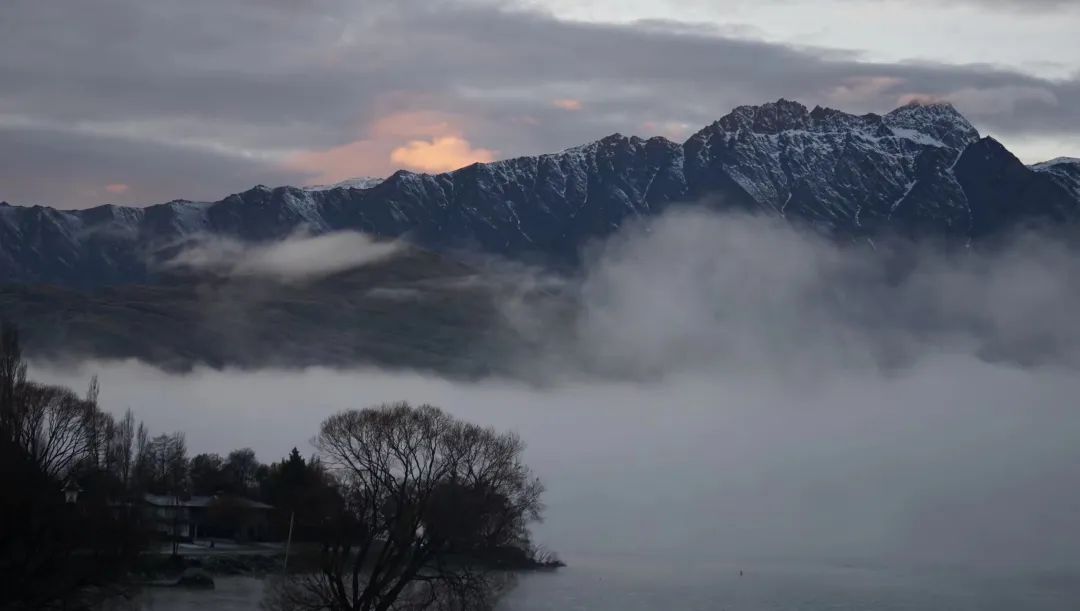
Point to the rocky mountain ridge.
(920, 170)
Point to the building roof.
(160, 500)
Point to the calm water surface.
(634, 583)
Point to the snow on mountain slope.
(1064, 170)
(362, 182)
(918, 170)
(839, 171)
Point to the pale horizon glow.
(875, 30)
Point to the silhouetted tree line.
(411, 507)
(299, 489)
(53, 553)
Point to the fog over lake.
(738, 392)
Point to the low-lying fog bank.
(735, 388)
(953, 460)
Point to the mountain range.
(103, 282)
(920, 170)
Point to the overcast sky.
(143, 101)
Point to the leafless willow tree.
(55, 427)
(52, 427)
(431, 502)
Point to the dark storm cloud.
(251, 83)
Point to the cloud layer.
(733, 388)
(197, 99)
(694, 291)
(296, 258)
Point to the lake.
(632, 583)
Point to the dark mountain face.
(918, 170)
(415, 310)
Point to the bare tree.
(109, 456)
(122, 442)
(429, 500)
(177, 465)
(95, 424)
(207, 475)
(143, 472)
(52, 427)
(167, 457)
(55, 428)
(12, 376)
(240, 468)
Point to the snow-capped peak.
(1065, 171)
(361, 182)
(937, 119)
(1058, 161)
(937, 124)
(769, 118)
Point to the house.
(200, 517)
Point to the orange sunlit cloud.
(425, 141)
(118, 188)
(359, 158)
(568, 104)
(440, 154)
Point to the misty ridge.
(705, 291)
(698, 290)
(691, 290)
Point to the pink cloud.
(428, 141)
(118, 188)
(440, 154)
(358, 158)
(569, 104)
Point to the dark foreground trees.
(54, 553)
(430, 504)
(303, 495)
(413, 507)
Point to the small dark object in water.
(195, 578)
